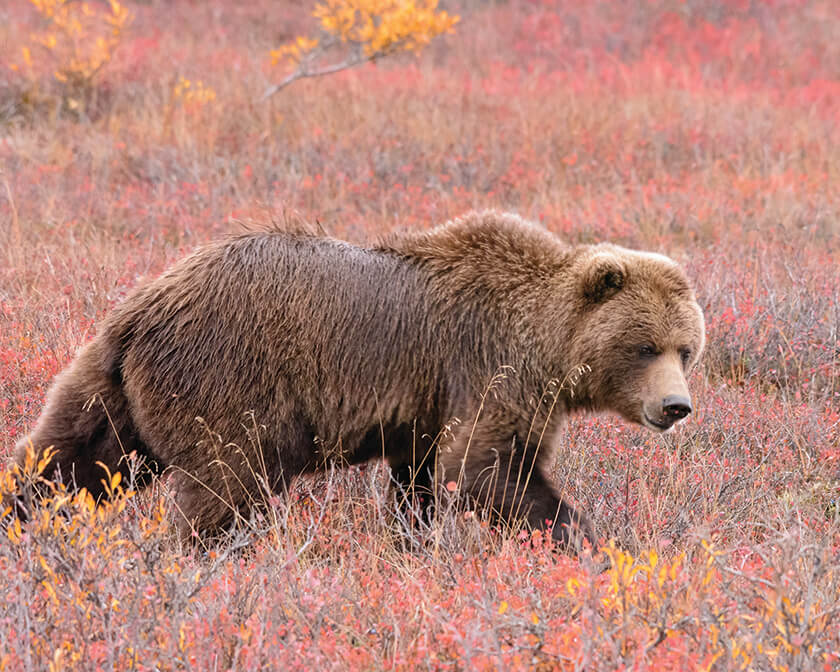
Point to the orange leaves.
(355, 31)
(73, 561)
(13, 531)
(711, 570)
(383, 26)
(33, 466)
(624, 569)
(78, 39)
(193, 93)
(745, 614)
(293, 51)
(612, 122)
(155, 522)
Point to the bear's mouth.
(660, 425)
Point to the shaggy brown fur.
(343, 353)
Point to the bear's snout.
(672, 409)
(676, 406)
(665, 396)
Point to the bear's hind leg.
(87, 423)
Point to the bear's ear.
(602, 278)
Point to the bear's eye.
(646, 351)
(685, 356)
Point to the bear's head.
(638, 328)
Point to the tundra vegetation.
(705, 129)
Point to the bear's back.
(279, 325)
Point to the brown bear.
(272, 354)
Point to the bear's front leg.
(501, 466)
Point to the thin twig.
(305, 74)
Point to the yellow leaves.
(8, 481)
(46, 40)
(711, 555)
(64, 657)
(192, 93)
(624, 567)
(666, 570)
(743, 650)
(354, 31)
(84, 502)
(72, 555)
(14, 532)
(382, 26)
(155, 522)
(710, 575)
(642, 584)
(50, 591)
(34, 464)
(504, 607)
(50, 579)
(45, 7)
(710, 663)
(74, 517)
(305, 44)
(710, 550)
(112, 481)
(295, 51)
(80, 37)
(118, 18)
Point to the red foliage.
(704, 129)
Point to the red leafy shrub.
(705, 130)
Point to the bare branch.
(302, 73)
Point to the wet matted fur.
(272, 354)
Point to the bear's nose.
(676, 407)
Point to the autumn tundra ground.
(705, 129)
